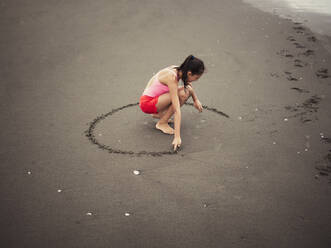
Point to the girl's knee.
(183, 95)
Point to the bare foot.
(164, 127)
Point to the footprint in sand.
(324, 165)
(300, 90)
(322, 73)
(291, 38)
(297, 45)
(299, 63)
(274, 74)
(290, 77)
(308, 52)
(299, 29)
(312, 39)
(326, 140)
(306, 110)
(285, 53)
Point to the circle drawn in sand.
(89, 133)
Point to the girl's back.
(160, 74)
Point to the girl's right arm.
(170, 80)
(173, 88)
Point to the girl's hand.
(176, 143)
(197, 105)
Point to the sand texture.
(82, 166)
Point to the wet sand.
(257, 175)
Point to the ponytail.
(193, 64)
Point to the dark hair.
(193, 64)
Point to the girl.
(163, 97)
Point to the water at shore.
(316, 6)
(312, 6)
(314, 14)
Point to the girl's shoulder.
(167, 74)
(168, 70)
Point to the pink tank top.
(156, 89)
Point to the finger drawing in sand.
(163, 96)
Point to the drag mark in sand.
(89, 133)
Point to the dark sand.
(259, 178)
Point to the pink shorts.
(148, 104)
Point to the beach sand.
(254, 169)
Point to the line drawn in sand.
(89, 133)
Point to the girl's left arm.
(194, 96)
(197, 103)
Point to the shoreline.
(318, 23)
